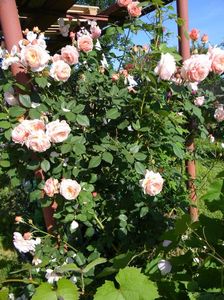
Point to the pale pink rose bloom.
(51, 187)
(70, 55)
(152, 184)
(60, 71)
(38, 141)
(204, 38)
(58, 131)
(194, 34)
(199, 101)
(196, 68)
(33, 125)
(85, 43)
(217, 59)
(56, 57)
(123, 3)
(20, 134)
(35, 57)
(166, 67)
(134, 10)
(219, 113)
(23, 245)
(69, 189)
(95, 32)
(27, 235)
(10, 98)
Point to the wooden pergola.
(45, 13)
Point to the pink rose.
(95, 32)
(199, 101)
(123, 3)
(60, 71)
(58, 131)
(20, 134)
(152, 184)
(217, 59)
(35, 57)
(115, 77)
(70, 55)
(51, 187)
(134, 10)
(204, 38)
(56, 57)
(194, 34)
(196, 68)
(69, 189)
(85, 43)
(38, 141)
(219, 113)
(166, 67)
(34, 125)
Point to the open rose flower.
(204, 38)
(34, 125)
(219, 113)
(152, 184)
(123, 3)
(166, 67)
(199, 101)
(51, 187)
(38, 141)
(196, 68)
(69, 189)
(58, 131)
(70, 55)
(217, 60)
(60, 71)
(134, 10)
(24, 245)
(35, 57)
(85, 43)
(194, 34)
(20, 134)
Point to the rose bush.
(105, 147)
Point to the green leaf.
(3, 116)
(5, 124)
(178, 151)
(44, 292)
(16, 111)
(25, 100)
(45, 165)
(133, 286)
(139, 168)
(67, 290)
(113, 113)
(108, 157)
(41, 81)
(34, 113)
(4, 294)
(79, 149)
(68, 267)
(140, 156)
(94, 162)
(4, 163)
(66, 148)
(82, 120)
(94, 263)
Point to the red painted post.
(12, 32)
(184, 49)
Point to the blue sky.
(205, 15)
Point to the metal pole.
(12, 32)
(184, 49)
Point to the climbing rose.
(166, 67)
(134, 10)
(194, 34)
(196, 68)
(164, 266)
(123, 3)
(152, 184)
(219, 113)
(217, 60)
(38, 141)
(20, 134)
(60, 71)
(58, 131)
(35, 57)
(95, 32)
(85, 43)
(70, 55)
(51, 187)
(204, 38)
(24, 245)
(69, 189)
(199, 101)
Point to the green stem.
(99, 222)
(19, 280)
(82, 284)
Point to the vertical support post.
(12, 32)
(184, 49)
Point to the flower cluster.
(134, 10)
(38, 137)
(68, 188)
(194, 35)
